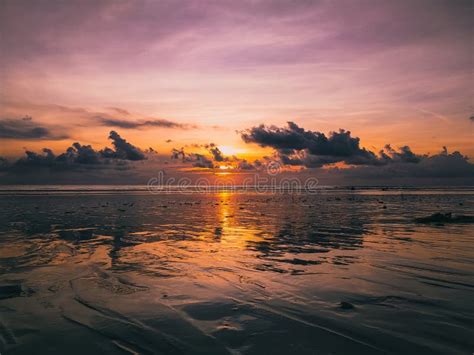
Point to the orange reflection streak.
(223, 173)
(234, 233)
(224, 210)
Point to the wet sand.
(337, 272)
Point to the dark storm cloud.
(296, 146)
(338, 146)
(26, 128)
(113, 122)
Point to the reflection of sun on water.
(233, 232)
(225, 238)
(224, 209)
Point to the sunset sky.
(171, 75)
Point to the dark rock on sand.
(445, 218)
(346, 305)
(13, 290)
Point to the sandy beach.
(336, 272)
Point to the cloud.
(403, 155)
(443, 165)
(296, 146)
(80, 154)
(77, 157)
(446, 164)
(57, 115)
(113, 122)
(293, 45)
(196, 159)
(212, 158)
(217, 154)
(85, 163)
(178, 153)
(25, 128)
(120, 111)
(291, 140)
(201, 161)
(245, 165)
(123, 149)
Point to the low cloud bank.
(77, 157)
(295, 146)
(212, 159)
(296, 150)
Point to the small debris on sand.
(445, 218)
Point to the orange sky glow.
(167, 78)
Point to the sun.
(228, 150)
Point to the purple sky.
(396, 72)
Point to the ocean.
(119, 269)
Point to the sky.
(185, 78)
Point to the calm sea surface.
(86, 270)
